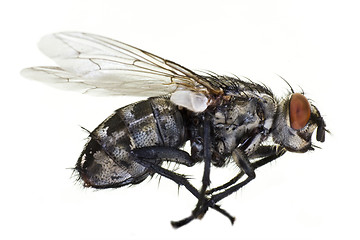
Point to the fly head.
(296, 120)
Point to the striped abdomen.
(106, 160)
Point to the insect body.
(225, 119)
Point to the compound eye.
(299, 111)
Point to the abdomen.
(106, 160)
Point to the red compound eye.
(299, 111)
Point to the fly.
(226, 119)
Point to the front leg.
(245, 165)
(264, 155)
(249, 168)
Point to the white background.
(313, 44)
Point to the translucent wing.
(99, 65)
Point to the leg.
(266, 155)
(242, 161)
(164, 154)
(201, 207)
(248, 168)
(177, 178)
(143, 157)
(150, 157)
(207, 163)
(226, 185)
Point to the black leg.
(201, 208)
(217, 197)
(151, 157)
(226, 185)
(265, 154)
(177, 178)
(275, 153)
(212, 203)
(153, 164)
(243, 162)
(207, 164)
(162, 154)
(248, 168)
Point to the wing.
(98, 65)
